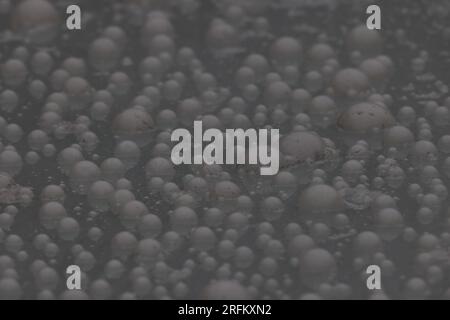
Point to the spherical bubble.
(99, 194)
(100, 290)
(82, 175)
(37, 139)
(319, 53)
(100, 111)
(79, 92)
(42, 63)
(225, 290)
(104, 54)
(10, 162)
(203, 238)
(183, 220)
(389, 223)
(317, 266)
(112, 169)
(14, 73)
(123, 244)
(10, 289)
(68, 229)
(47, 278)
(364, 117)
(120, 84)
(323, 111)
(301, 147)
(351, 83)
(148, 251)
(416, 289)
(222, 37)
(128, 152)
(50, 214)
(37, 21)
(68, 157)
(150, 226)
(424, 153)
(272, 208)
(367, 42)
(9, 100)
(37, 89)
(398, 137)
(444, 144)
(406, 116)
(277, 93)
(300, 244)
(131, 213)
(13, 243)
(376, 71)
(188, 111)
(286, 51)
(366, 244)
(154, 26)
(318, 201)
(160, 167)
(134, 124)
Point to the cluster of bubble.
(363, 177)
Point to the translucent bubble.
(131, 213)
(10, 162)
(159, 167)
(364, 117)
(103, 54)
(79, 92)
(134, 124)
(68, 157)
(128, 152)
(272, 208)
(389, 223)
(351, 83)
(367, 42)
(82, 175)
(10, 289)
(286, 51)
(68, 229)
(9, 100)
(317, 266)
(150, 226)
(14, 73)
(99, 194)
(319, 201)
(123, 245)
(323, 111)
(50, 214)
(203, 238)
(183, 220)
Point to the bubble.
(131, 213)
(183, 220)
(317, 266)
(128, 152)
(389, 223)
(150, 226)
(367, 42)
(319, 201)
(323, 111)
(272, 208)
(10, 162)
(10, 289)
(104, 54)
(351, 83)
(82, 175)
(286, 51)
(14, 73)
(99, 195)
